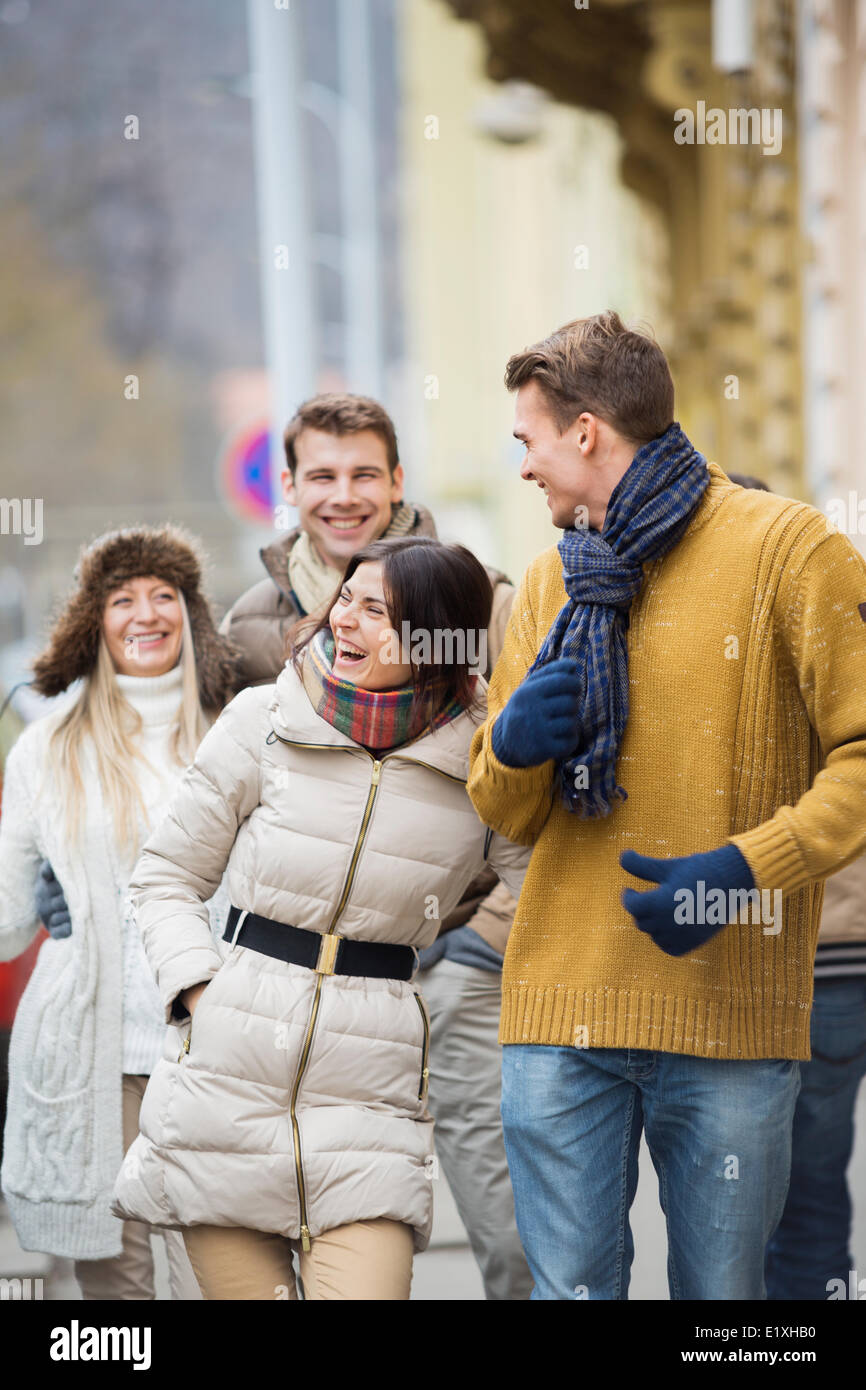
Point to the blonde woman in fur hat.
(82, 789)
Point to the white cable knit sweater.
(90, 1010)
(157, 699)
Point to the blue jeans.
(810, 1246)
(719, 1133)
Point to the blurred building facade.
(832, 95)
(767, 252)
(128, 222)
(515, 221)
(526, 172)
(729, 212)
(131, 324)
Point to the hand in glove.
(542, 718)
(51, 905)
(653, 911)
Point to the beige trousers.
(362, 1261)
(130, 1274)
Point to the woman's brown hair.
(434, 587)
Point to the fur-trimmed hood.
(170, 553)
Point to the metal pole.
(733, 37)
(362, 281)
(283, 219)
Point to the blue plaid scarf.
(648, 512)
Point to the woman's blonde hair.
(102, 716)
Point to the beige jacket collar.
(445, 749)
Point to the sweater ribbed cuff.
(72, 1230)
(519, 781)
(142, 1046)
(508, 798)
(774, 857)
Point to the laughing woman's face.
(365, 641)
(143, 626)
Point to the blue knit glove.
(542, 718)
(51, 905)
(723, 868)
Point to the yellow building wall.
(492, 261)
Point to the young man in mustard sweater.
(677, 723)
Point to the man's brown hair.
(599, 365)
(341, 414)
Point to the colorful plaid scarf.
(648, 512)
(378, 719)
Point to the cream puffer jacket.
(295, 1102)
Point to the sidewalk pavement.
(447, 1270)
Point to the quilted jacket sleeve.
(510, 862)
(183, 861)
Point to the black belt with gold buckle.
(327, 954)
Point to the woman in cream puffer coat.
(294, 1102)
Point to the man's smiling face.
(568, 466)
(343, 490)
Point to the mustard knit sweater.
(747, 722)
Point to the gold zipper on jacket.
(425, 1050)
(351, 747)
(419, 762)
(296, 1138)
(314, 1012)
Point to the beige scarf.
(313, 581)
